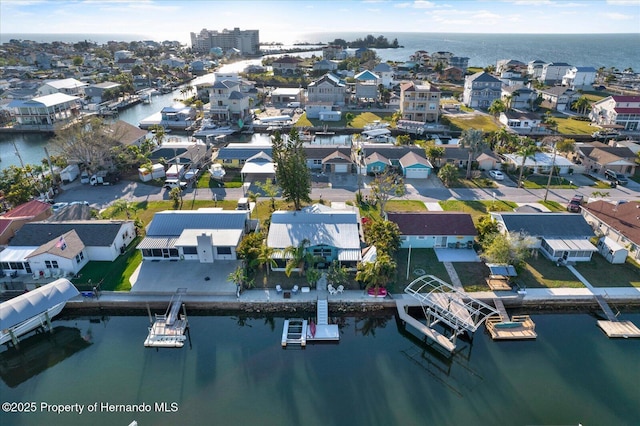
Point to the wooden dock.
(497, 283)
(432, 334)
(504, 328)
(612, 326)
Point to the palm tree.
(349, 117)
(122, 205)
(298, 255)
(528, 149)
(265, 260)
(582, 104)
(496, 107)
(378, 273)
(473, 141)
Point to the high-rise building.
(246, 41)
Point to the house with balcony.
(45, 112)
(327, 89)
(286, 65)
(385, 72)
(333, 52)
(325, 65)
(519, 97)
(534, 68)
(553, 72)
(419, 102)
(580, 78)
(226, 101)
(95, 92)
(618, 112)
(520, 121)
(480, 90)
(366, 86)
(329, 234)
(559, 98)
(512, 65)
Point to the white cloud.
(423, 4)
(618, 16)
(624, 2)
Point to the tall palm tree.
(122, 205)
(298, 255)
(582, 104)
(528, 149)
(473, 141)
(265, 260)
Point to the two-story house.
(553, 72)
(480, 90)
(68, 86)
(366, 87)
(327, 89)
(559, 98)
(419, 102)
(286, 65)
(619, 111)
(579, 78)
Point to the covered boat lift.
(34, 309)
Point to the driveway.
(196, 277)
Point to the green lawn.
(553, 206)
(540, 182)
(472, 275)
(373, 212)
(112, 276)
(471, 121)
(361, 119)
(479, 182)
(424, 259)
(477, 208)
(567, 126)
(543, 273)
(601, 273)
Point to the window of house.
(223, 250)
(317, 161)
(4, 265)
(227, 161)
(51, 264)
(190, 250)
(79, 257)
(146, 252)
(27, 267)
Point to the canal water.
(234, 372)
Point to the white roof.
(570, 244)
(18, 254)
(35, 302)
(376, 132)
(66, 83)
(54, 99)
(259, 168)
(333, 228)
(540, 159)
(220, 237)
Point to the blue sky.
(286, 20)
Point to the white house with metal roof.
(205, 235)
(68, 86)
(45, 111)
(331, 235)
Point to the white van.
(293, 105)
(174, 183)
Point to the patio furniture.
(36, 275)
(47, 273)
(305, 289)
(278, 288)
(295, 289)
(331, 289)
(340, 288)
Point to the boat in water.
(209, 128)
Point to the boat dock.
(168, 330)
(299, 332)
(502, 327)
(612, 326)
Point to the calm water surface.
(235, 373)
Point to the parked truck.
(70, 173)
(103, 178)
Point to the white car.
(58, 206)
(496, 174)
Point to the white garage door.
(417, 173)
(341, 168)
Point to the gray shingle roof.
(547, 225)
(173, 222)
(93, 233)
(333, 228)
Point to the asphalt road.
(102, 196)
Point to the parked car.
(175, 183)
(496, 174)
(615, 177)
(58, 206)
(605, 135)
(575, 203)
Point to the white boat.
(211, 129)
(217, 171)
(24, 313)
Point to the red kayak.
(313, 328)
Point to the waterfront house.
(325, 65)
(205, 235)
(45, 112)
(332, 235)
(333, 51)
(286, 65)
(559, 236)
(553, 72)
(580, 78)
(320, 110)
(95, 92)
(102, 240)
(419, 102)
(327, 89)
(503, 65)
(236, 154)
(534, 68)
(258, 167)
(540, 162)
(480, 90)
(597, 157)
(68, 86)
(325, 158)
(519, 97)
(64, 253)
(284, 95)
(521, 122)
(617, 221)
(435, 229)
(366, 87)
(127, 134)
(620, 112)
(14, 219)
(452, 74)
(227, 102)
(368, 165)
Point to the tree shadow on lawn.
(543, 273)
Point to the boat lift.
(443, 303)
(168, 330)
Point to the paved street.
(430, 190)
